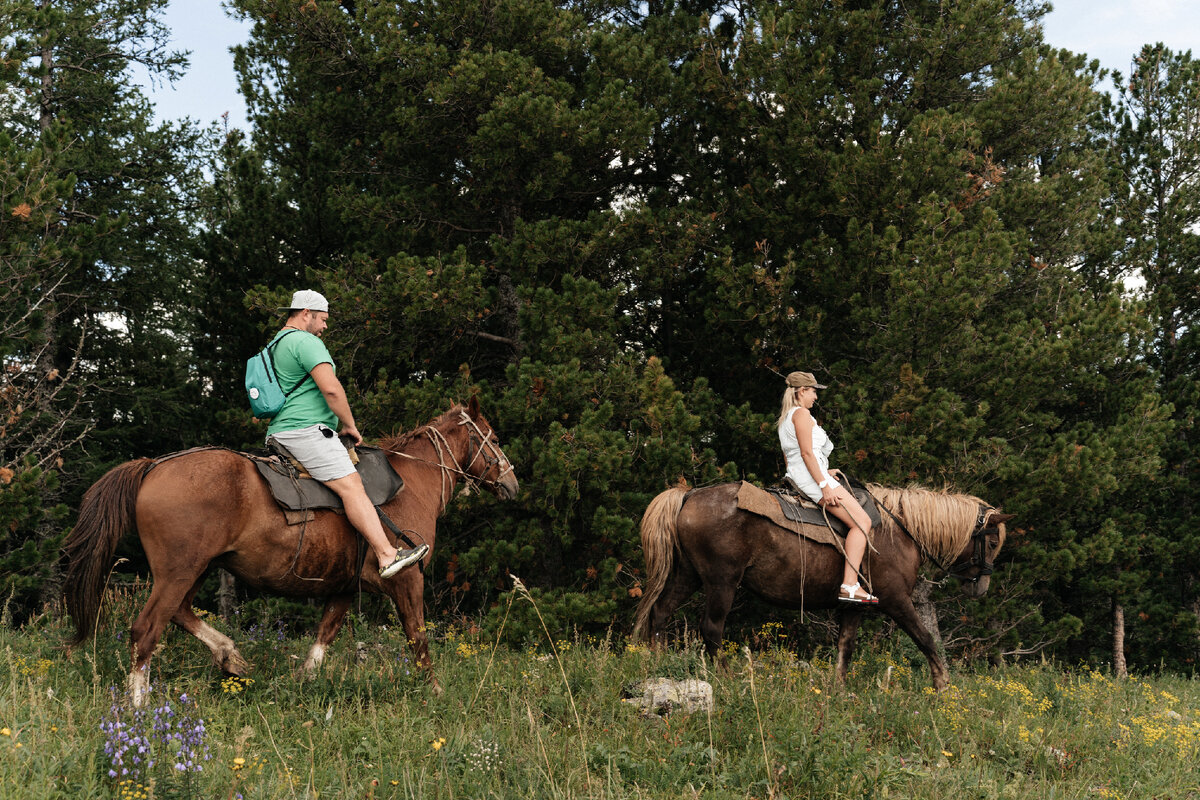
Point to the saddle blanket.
(798, 514)
(294, 493)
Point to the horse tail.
(659, 533)
(105, 516)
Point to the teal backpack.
(262, 383)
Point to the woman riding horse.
(703, 540)
(806, 447)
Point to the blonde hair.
(789, 402)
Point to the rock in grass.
(663, 696)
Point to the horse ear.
(473, 407)
(996, 518)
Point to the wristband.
(827, 482)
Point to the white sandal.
(857, 595)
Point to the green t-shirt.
(295, 356)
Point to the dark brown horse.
(211, 507)
(702, 540)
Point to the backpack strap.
(271, 357)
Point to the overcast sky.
(1109, 30)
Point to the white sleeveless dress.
(822, 446)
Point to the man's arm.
(327, 381)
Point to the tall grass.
(547, 721)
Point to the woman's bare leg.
(850, 512)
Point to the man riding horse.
(304, 427)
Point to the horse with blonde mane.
(211, 507)
(700, 539)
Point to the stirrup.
(403, 559)
(857, 595)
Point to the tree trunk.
(926, 611)
(45, 116)
(226, 596)
(1196, 614)
(1119, 667)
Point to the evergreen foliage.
(128, 283)
(39, 402)
(620, 224)
(621, 227)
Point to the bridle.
(484, 445)
(979, 555)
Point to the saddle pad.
(298, 494)
(811, 518)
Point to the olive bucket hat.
(799, 380)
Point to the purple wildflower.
(134, 738)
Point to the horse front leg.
(408, 593)
(906, 617)
(849, 620)
(331, 622)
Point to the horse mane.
(942, 522)
(397, 442)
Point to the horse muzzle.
(975, 587)
(507, 488)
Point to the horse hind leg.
(327, 629)
(224, 652)
(718, 601)
(165, 598)
(682, 584)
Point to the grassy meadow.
(547, 721)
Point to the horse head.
(483, 461)
(973, 566)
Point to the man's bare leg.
(362, 515)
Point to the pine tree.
(96, 241)
(39, 403)
(447, 174)
(128, 285)
(1158, 148)
(622, 225)
(902, 195)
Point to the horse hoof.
(236, 666)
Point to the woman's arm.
(803, 421)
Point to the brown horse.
(211, 507)
(702, 540)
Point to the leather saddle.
(797, 507)
(296, 491)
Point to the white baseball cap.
(307, 299)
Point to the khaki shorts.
(319, 449)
